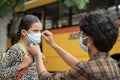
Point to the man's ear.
(24, 32)
(90, 40)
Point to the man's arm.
(34, 50)
(67, 57)
(76, 72)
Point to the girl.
(29, 31)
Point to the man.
(98, 35)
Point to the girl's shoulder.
(14, 48)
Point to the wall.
(3, 34)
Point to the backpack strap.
(23, 48)
(20, 73)
(1, 57)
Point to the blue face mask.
(34, 37)
(84, 47)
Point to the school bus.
(62, 21)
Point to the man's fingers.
(44, 36)
(43, 56)
(47, 33)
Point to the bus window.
(57, 15)
(51, 16)
(64, 15)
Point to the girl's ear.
(24, 32)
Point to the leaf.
(87, 1)
(6, 12)
(7, 7)
(78, 3)
(20, 5)
(69, 3)
(81, 4)
(2, 2)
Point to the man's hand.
(48, 36)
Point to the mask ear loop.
(85, 37)
(89, 43)
(81, 33)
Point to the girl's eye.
(36, 31)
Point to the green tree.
(7, 15)
(80, 4)
(7, 8)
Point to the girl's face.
(33, 34)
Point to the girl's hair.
(26, 23)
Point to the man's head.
(101, 29)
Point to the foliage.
(7, 8)
(78, 3)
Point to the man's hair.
(101, 29)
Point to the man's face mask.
(34, 37)
(84, 47)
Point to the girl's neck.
(24, 42)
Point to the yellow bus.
(62, 21)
